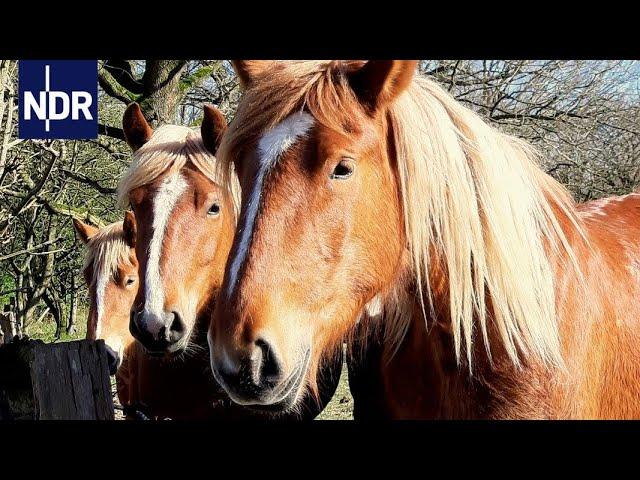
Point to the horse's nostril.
(134, 328)
(162, 334)
(270, 368)
(177, 325)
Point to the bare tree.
(582, 115)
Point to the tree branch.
(66, 210)
(30, 250)
(113, 88)
(79, 177)
(122, 73)
(113, 132)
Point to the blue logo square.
(58, 99)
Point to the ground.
(341, 405)
(46, 331)
(339, 408)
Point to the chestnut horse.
(367, 188)
(111, 273)
(146, 385)
(185, 224)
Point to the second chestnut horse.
(184, 226)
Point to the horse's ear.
(137, 131)
(379, 82)
(213, 127)
(85, 231)
(248, 70)
(130, 228)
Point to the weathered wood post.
(57, 381)
(8, 325)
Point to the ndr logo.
(58, 99)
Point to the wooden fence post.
(68, 380)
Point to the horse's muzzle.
(113, 359)
(158, 334)
(257, 380)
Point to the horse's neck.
(598, 327)
(423, 379)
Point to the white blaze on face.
(270, 148)
(101, 287)
(168, 194)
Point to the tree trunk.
(22, 313)
(8, 326)
(6, 106)
(54, 308)
(73, 308)
(158, 92)
(42, 282)
(162, 93)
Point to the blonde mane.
(106, 250)
(474, 200)
(168, 150)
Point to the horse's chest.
(424, 381)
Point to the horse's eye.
(214, 210)
(131, 281)
(343, 169)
